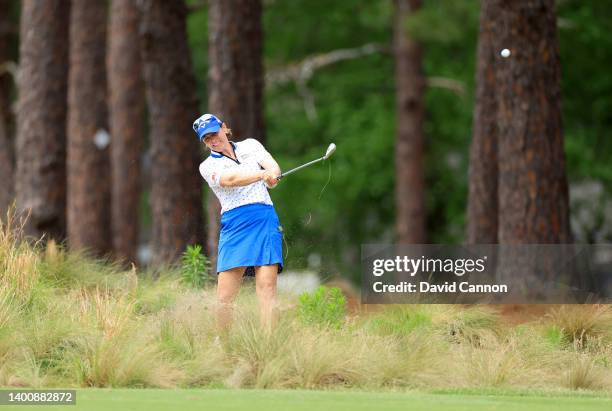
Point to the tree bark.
(40, 182)
(126, 116)
(533, 192)
(88, 153)
(6, 168)
(410, 83)
(176, 192)
(235, 81)
(6, 140)
(483, 174)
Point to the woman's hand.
(270, 179)
(271, 166)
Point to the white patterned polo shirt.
(249, 153)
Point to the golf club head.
(330, 151)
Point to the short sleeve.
(258, 150)
(212, 176)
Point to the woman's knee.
(226, 298)
(226, 293)
(228, 285)
(265, 281)
(266, 288)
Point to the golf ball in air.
(505, 53)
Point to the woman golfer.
(250, 238)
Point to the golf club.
(328, 153)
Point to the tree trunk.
(410, 83)
(88, 153)
(176, 192)
(6, 167)
(533, 192)
(6, 140)
(235, 81)
(482, 199)
(40, 182)
(126, 116)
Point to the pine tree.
(126, 118)
(533, 192)
(6, 139)
(40, 180)
(88, 167)
(483, 175)
(176, 192)
(410, 88)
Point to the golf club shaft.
(300, 167)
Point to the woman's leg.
(265, 283)
(228, 285)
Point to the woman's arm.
(241, 178)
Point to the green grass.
(298, 400)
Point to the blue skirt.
(250, 236)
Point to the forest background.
(351, 102)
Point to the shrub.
(194, 267)
(399, 320)
(580, 324)
(74, 269)
(325, 307)
(555, 336)
(471, 324)
(584, 374)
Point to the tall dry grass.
(69, 320)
